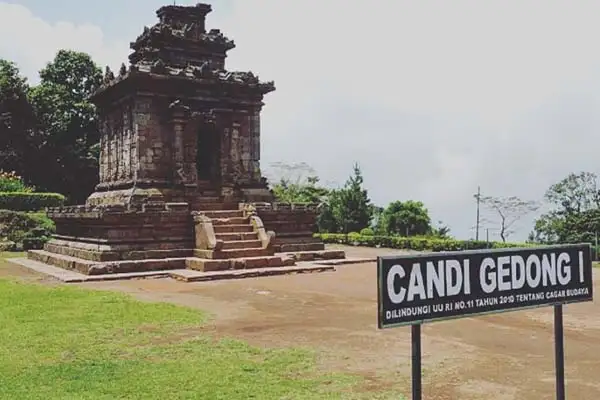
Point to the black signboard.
(414, 289)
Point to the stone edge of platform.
(185, 275)
(345, 261)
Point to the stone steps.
(207, 206)
(207, 265)
(230, 221)
(242, 248)
(232, 253)
(229, 236)
(235, 245)
(216, 214)
(241, 244)
(207, 199)
(300, 256)
(241, 228)
(107, 267)
(299, 247)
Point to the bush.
(418, 243)
(27, 201)
(25, 229)
(7, 245)
(367, 232)
(353, 234)
(11, 182)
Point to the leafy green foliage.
(309, 191)
(66, 131)
(17, 226)
(16, 119)
(575, 193)
(49, 133)
(367, 232)
(441, 231)
(28, 201)
(417, 243)
(327, 220)
(351, 206)
(341, 210)
(575, 216)
(408, 218)
(11, 182)
(349, 209)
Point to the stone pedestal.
(113, 233)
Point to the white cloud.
(32, 42)
(432, 98)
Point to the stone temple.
(180, 178)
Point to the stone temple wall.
(136, 145)
(118, 145)
(153, 140)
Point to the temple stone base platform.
(99, 240)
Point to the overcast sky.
(432, 98)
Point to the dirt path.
(500, 357)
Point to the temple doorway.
(208, 154)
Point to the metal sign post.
(415, 335)
(559, 352)
(415, 289)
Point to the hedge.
(418, 243)
(26, 229)
(22, 201)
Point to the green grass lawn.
(11, 254)
(70, 343)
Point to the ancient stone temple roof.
(150, 43)
(179, 46)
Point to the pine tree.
(352, 208)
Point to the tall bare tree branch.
(509, 210)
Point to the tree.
(352, 207)
(67, 133)
(326, 220)
(408, 218)
(575, 193)
(298, 183)
(575, 216)
(16, 119)
(341, 210)
(442, 231)
(308, 191)
(377, 220)
(509, 210)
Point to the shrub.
(367, 232)
(25, 229)
(27, 201)
(11, 182)
(7, 245)
(418, 243)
